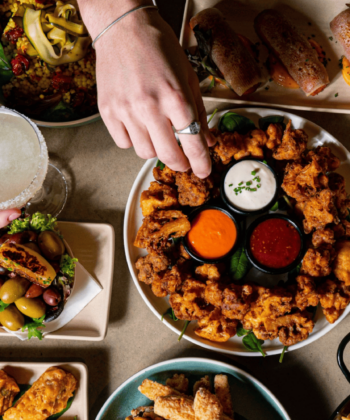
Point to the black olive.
(54, 313)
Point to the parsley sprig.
(67, 265)
(38, 222)
(3, 305)
(33, 328)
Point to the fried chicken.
(274, 135)
(222, 391)
(323, 237)
(318, 262)
(189, 304)
(158, 197)
(319, 211)
(334, 297)
(165, 175)
(341, 265)
(192, 190)
(207, 406)
(158, 228)
(293, 144)
(215, 327)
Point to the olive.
(2, 281)
(11, 318)
(19, 238)
(54, 313)
(51, 245)
(34, 291)
(33, 246)
(52, 296)
(34, 308)
(13, 289)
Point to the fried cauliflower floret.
(151, 264)
(293, 328)
(236, 301)
(293, 144)
(178, 382)
(254, 143)
(275, 301)
(319, 211)
(158, 197)
(192, 190)
(209, 272)
(341, 263)
(325, 158)
(229, 146)
(318, 262)
(274, 135)
(190, 304)
(214, 293)
(215, 327)
(340, 197)
(306, 294)
(334, 298)
(158, 228)
(165, 175)
(323, 237)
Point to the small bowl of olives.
(37, 273)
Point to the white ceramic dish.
(312, 19)
(133, 220)
(26, 373)
(93, 245)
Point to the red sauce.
(275, 243)
(212, 234)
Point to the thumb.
(6, 216)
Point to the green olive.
(51, 245)
(11, 318)
(13, 289)
(34, 308)
(33, 246)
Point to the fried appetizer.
(158, 228)
(165, 175)
(340, 26)
(318, 262)
(306, 294)
(341, 263)
(334, 298)
(215, 327)
(293, 49)
(144, 412)
(178, 382)
(274, 135)
(340, 197)
(209, 271)
(222, 391)
(192, 190)
(8, 390)
(27, 263)
(174, 407)
(236, 301)
(47, 396)
(293, 144)
(293, 328)
(158, 197)
(227, 51)
(151, 264)
(207, 406)
(153, 390)
(202, 383)
(323, 237)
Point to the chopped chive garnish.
(336, 95)
(249, 183)
(230, 185)
(258, 185)
(240, 183)
(253, 173)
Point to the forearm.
(98, 14)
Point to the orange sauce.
(279, 73)
(212, 235)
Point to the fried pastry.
(47, 396)
(207, 406)
(8, 390)
(178, 382)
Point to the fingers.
(7, 216)
(119, 133)
(141, 140)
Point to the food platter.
(27, 372)
(247, 392)
(241, 14)
(133, 220)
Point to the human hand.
(7, 216)
(145, 86)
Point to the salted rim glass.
(43, 161)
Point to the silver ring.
(193, 128)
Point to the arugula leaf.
(160, 165)
(264, 122)
(234, 122)
(282, 354)
(239, 264)
(170, 313)
(33, 326)
(183, 330)
(67, 265)
(60, 414)
(252, 343)
(6, 73)
(3, 306)
(41, 222)
(242, 332)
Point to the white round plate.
(133, 220)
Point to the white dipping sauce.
(254, 196)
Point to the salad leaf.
(19, 225)
(234, 122)
(38, 222)
(160, 164)
(6, 73)
(67, 265)
(239, 264)
(68, 406)
(241, 332)
(33, 326)
(3, 306)
(170, 313)
(282, 354)
(252, 343)
(264, 122)
(61, 112)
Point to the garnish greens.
(234, 122)
(67, 265)
(239, 264)
(38, 222)
(248, 184)
(3, 305)
(212, 115)
(264, 122)
(160, 164)
(183, 330)
(6, 73)
(33, 328)
(170, 313)
(282, 354)
(249, 341)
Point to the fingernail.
(202, 176)
(13, 216)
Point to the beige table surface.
(308, 383)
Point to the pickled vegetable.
(11, 318)
(13, 289)
(34, 308)
(51, 245)
(33, 246)
(52, 296)
(34, 291)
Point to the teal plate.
(250, 397)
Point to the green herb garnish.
(282, 354)
(183, 330)
(250, 341)
(38, 222)
(3, 305)
(67, 265)
(33, 326)
(215, 111)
